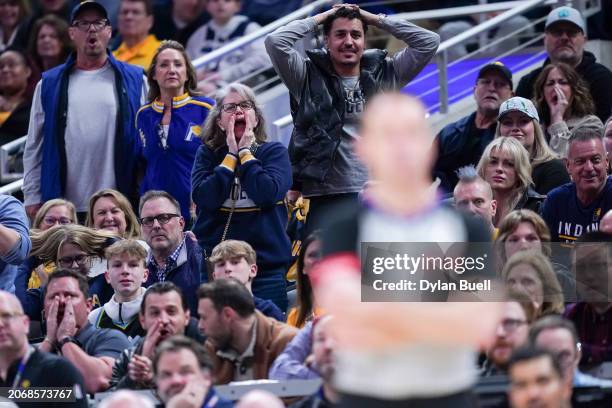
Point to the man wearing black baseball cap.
(461, 143)
(81, 136)
(564, 39)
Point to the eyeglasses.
(558, 31)
(231, 107)
(511, 325)
(68, 261)
(84, 25)
(61, 220)
(6, 318)
(162, 219)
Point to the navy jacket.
(54, 97)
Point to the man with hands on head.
(326, 117)
(92, 351)
(183, 375)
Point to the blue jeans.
(270, 284)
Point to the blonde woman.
(505, 166)
(111, 211)
(531, 272)
(518, 118)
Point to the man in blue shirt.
(14, 240)
(577, 207)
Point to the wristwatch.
(381, 17)
(67, 339)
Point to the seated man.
(126, 272)
(183, 375)
(323, 349)
(22, 365)
(558, 335)
(510, 334)
(92, 351)
(473, 195)
(242, 342)
(294, 362)
(536, 380)
(237, 259)
(591, 258)
(163, 313)
(134, 24)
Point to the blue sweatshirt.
(567, 218)
(169, 168)
(13, 216)
(260, 215)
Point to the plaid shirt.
(170, 262)
(594, 332)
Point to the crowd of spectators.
(156, 253)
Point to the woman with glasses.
(239, 181)
(53, 212)
(564, 103)
(76, 247)
(518, 118)
(170, 124)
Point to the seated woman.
(13, 15)
(74, 247)
(564, 103)
(49, 47)
(305, 309)
(532, 273)
(170, 124)
(53, 212)
(14, 102)
(239, 182)
(505, 166)
(519, 119)
(524, 230)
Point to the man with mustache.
(576, 208)
(461, 143)
(81, 135)
(329, 90)
(564, 39)
(92, 351)
(172, 257)
(163, 313)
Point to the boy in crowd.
(224, 27)
(126, 273)
(237, 259)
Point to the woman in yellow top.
(305, 309)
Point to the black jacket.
(597, 76)
(318, 116)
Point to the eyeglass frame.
(516, 322)
(73, 259)
(244, 105)
(558, 32)
(57, 220)
(150, 221)
(77, 24)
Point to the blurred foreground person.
(435, 348)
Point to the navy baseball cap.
(499, 68)
(87, 5)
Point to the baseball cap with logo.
(569, 14)
(497, 67)
(87, 5)
(518, 104)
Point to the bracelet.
(67, 339)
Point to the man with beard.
(163, 313)
(242, 342)
(564, 39)
(23, 366)
(511, 333)
(183, 375)
(461, 143)
(92, 351)
(323, 349)
(81, 135)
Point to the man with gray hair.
(576, 208)
(473, 195)
(172, 257)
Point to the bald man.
(432, 344)
(16, 352)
